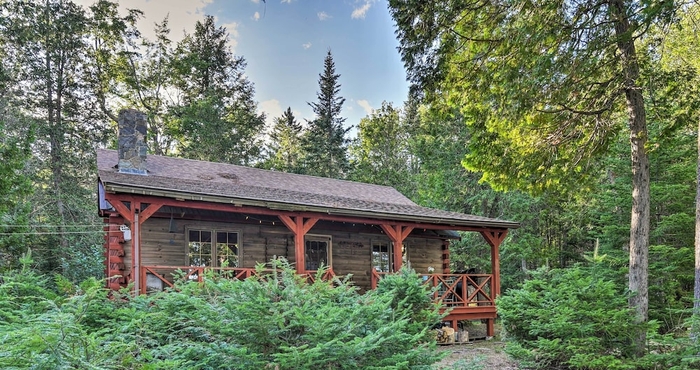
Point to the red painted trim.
(494, 239)
(287, 221)
(308, 224)
(299, 255)
(271, 212)
(148, 212)
(117, 202)
(390, 232)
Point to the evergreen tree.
(218, 119)
(16, 136)
(681, 58)
(543, 88)
(139, 74)
(47, 53)
(381, 152)
(324, 143)
(284, 147)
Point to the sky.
(285, 42)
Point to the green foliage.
(381, 153)
(284, 149)
(572, 318)
(275, 321)
(218, 120)
(408, 294)
(46, 48)
(474, 364)
(324, 145)
(16, 136)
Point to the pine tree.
(285, 140)
(324, 144)
(218, 119)
(46, 60)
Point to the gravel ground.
(476, 355)
(479, 354)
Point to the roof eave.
(128, 189)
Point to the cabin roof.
(227, 183)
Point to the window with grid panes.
(317, 252)
(210, 248)
(381, 256)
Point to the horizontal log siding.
(351, 253)
(424, 253)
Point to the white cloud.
(365, 105)
(232, 29)
(181, 14)
(256, 16)
(287, 1)
(361, 11)
(255, 1)
(306, 46)
(323, 16)
(272, 110)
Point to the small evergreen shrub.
(571, 318)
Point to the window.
(381, 256)
(212, 248)
(317, 251)
(227, 249)
(199, 248)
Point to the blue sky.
(285, 41)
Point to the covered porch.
(465, 296)
(135, 261)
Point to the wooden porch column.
(397, 234)
(494, 238)
(136, 217)
(299, 226)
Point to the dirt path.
(477, 355)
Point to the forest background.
(67, 70)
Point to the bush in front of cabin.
(571, 318)
(281, 321)
(278, 321)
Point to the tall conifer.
(283, 149)
(218, 118)
(324, 143)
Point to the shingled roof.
(227, 183)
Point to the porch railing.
(454, 290)
(158, 277)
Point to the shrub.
(570, 318)
(277, 322)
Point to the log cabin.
(165, 214)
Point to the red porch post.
(299, 226)
(136, 217)
(494, 238)
(397, 234)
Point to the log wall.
(351, 252)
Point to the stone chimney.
(132, 142)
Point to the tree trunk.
(695, 332)
(639, 228)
